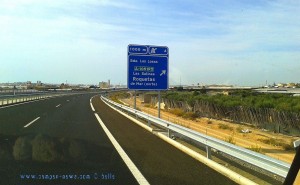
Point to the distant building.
(39, 83)
(291, 85)
(281, 85)
(104, 85)
(29, 85)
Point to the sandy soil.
(211, 128)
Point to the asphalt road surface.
(69, 119)
(157, 160)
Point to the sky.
(245, 43)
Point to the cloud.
(229, 38)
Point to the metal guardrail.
(264, 162)
(12, 99)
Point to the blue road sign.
(148, 67)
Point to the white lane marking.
(134, 170)
(32, 122)
(92, 104)
(129, 117)
(58, 105)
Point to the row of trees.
(274, 112)
(247, 99)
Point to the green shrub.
(230, 139)
(177, 112)
(278, 142)
(288, 147)
(270, 141)
(255, 148)
(22, 148)
(190, 115)
(225, 127)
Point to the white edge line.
(134, 170)
(129, 117)
(212, 164)
(92, 105)
(32, 122)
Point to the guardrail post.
(149, 123)
(208, 152)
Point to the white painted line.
(32, 122)
(134, 170)
(92, 104)
(239, 179)
(217, 167)
(58, 105)
(131, 118)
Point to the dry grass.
(177, 112)
(225, 126)
(255, 148)
(278, 142)
(230, 139)
(208, 121)
(190, 115)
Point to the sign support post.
(148, 69)
(135, 100)
(159, 101)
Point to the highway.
(71, 118)
(63, 117)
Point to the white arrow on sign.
(163, 72)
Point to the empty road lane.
(158, 161)
(43, 143)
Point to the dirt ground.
(260, 140)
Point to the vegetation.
(289, 146)
(230, 139)
(190, 115)
(280, 102)
(278, 142)
(225, 126)
(118, 95)
(239, 129)
(209, 122)
(255, 148)
(181, 113)
(147, 105)
(177, 112)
